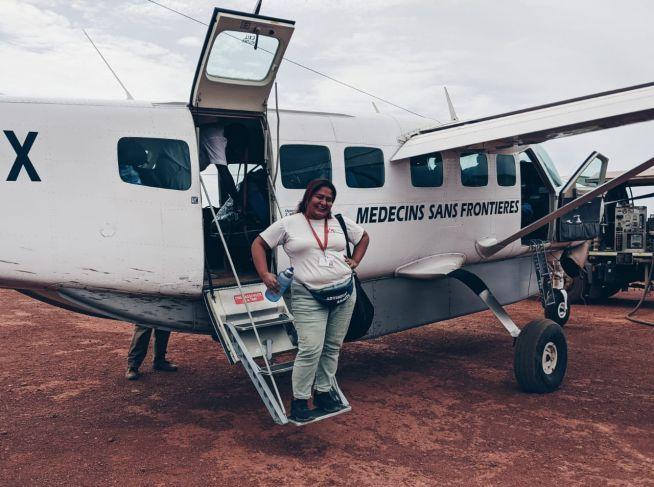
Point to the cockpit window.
(474, 169)
(241, 56)
(158, 163)
(549, 165)
(506, 174)
(427, 170)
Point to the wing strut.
(488, 247)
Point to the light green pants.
(320, 332)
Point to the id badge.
(325, 261)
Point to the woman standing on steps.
(323, 294)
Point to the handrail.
(240, 289)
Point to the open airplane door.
(582, 223)
(239, 62)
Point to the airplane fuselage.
(78, 235)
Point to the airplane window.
(549, 165)
(300, 164)
(591, 176)
(234, 56)
(506, 174)
(427, 170)
(158, 163)
(364, 167)
(474, 169)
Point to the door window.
(300, 164)
(364, 167)
(242, 56)
(239, 61)
(591, 176)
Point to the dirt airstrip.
(435, 405)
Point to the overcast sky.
(492, 56)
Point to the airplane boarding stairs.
(255, 331)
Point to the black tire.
(541, 357)
(559, 312)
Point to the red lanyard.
(322, 246)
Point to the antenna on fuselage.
(450, 106)
(129, 95)
(258, 7)
(374, 105)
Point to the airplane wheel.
(541, 356)
(559, 311)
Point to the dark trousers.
(138, 349)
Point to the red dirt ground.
(436, 405)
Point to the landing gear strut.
(541, 351)
(554, 301)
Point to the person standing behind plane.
(315, 244)
(220, 144)
(138, 349)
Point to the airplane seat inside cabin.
(173, 168)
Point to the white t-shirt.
(308, 261)
(212, 145)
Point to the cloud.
(493, 57)
(56, 59)
(190, 41)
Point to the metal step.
(273, 319)
(275, 369)
(320, 417)
(282, 319)
(271, 400)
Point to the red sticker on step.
(249, 297)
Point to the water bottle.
(284, 278)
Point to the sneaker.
(300, 410)
(132, 373)
(327, 401)
(165, 366)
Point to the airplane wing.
(535, 125)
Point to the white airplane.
(461, 216)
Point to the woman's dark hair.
(312, 188)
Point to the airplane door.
(584, 222)
(239, 62)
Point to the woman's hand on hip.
(270, 280)
(352, 263)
